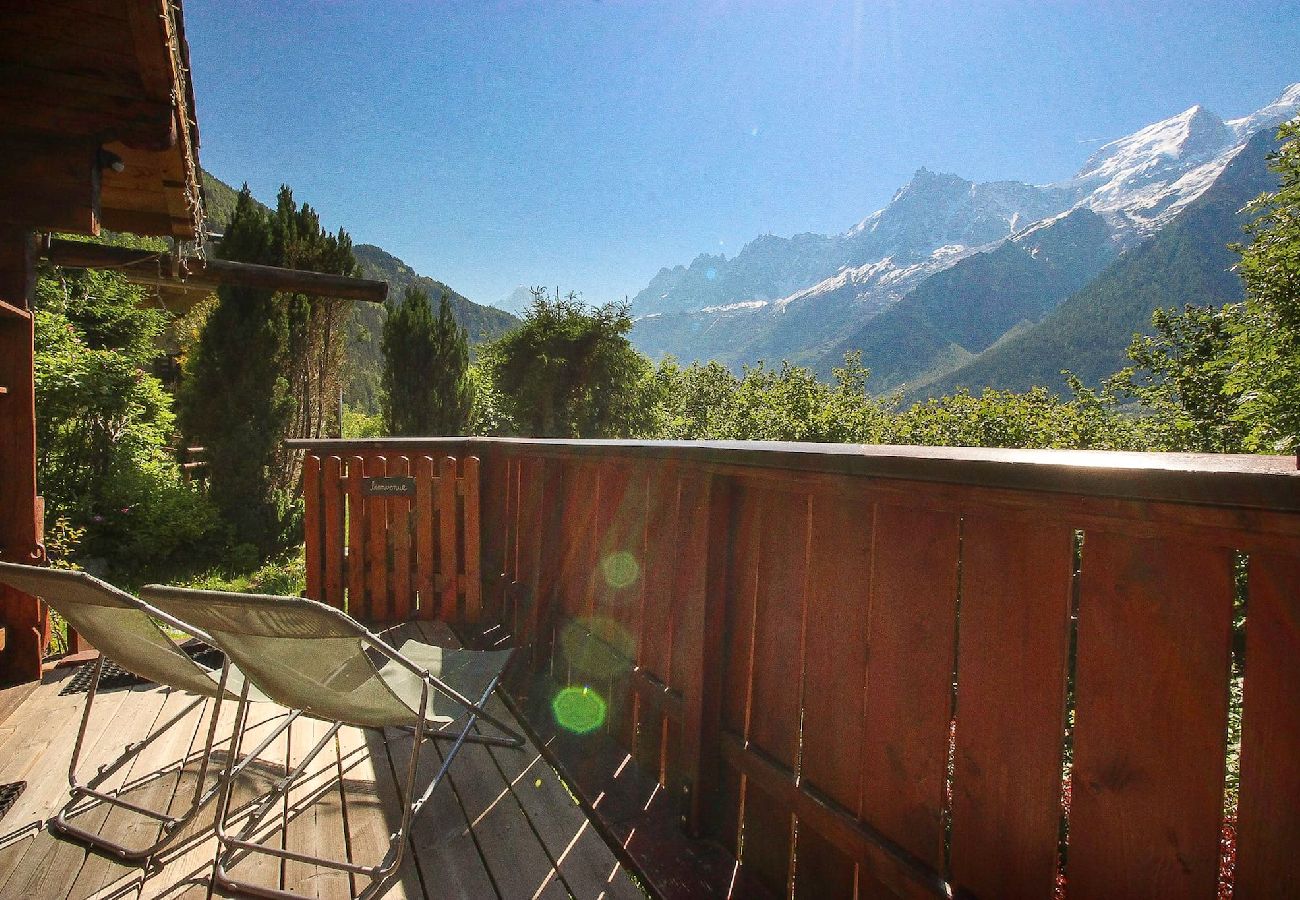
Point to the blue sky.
(585, 144)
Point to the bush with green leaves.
(570, 371)
(104, 423)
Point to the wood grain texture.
(1011, 679)
(1268, 816)
(472, 531)
(399, 529)
(357, 534)
(447, 557)
(425, 517)
(1151, 718)
(312, 526)
(911, 629)
(376, 558)
(333, 503)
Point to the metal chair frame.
(172, 824)
(230, 844)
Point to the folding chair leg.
(172, 824)
(230, 845)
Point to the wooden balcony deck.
(503, 825)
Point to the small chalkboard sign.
(389, 486)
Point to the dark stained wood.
(313, 526)
(911, 623)
(471, 527)
(835, 675)
(23, 617)
(784, 543)
(1151, 718)
(1099, 477)
(50, 183)
(1268, 815)
(707, 523)
(1011, 675)
(147, 267)
(447, 537)
(376, 557)
(399, 527)
(333, 502)
(425, 514)
(887, 870)
(357, 532)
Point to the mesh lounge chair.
(317, 660)
(126, 630)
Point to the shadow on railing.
(913, 671)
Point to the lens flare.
(579, 709)
(620, 569)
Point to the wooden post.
(20, 509)
(704, 630)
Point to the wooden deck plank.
(481, 836)
(586, 864)
(188, 862)
(259, 868)
(49, 869)
(314, 823)
(38, 751)
(444, 848)
(369, 798)
(180, 716)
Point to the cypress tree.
(265, 368)
(426, 386)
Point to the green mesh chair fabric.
(119, 626)
(308, 656)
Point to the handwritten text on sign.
(389, 486)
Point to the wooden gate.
(393, 538)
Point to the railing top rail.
(1250, 481)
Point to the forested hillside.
(1189, 261)
(962, 311)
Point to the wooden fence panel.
(399, 531)
(835, 678)
(470, 558)
(358, 603)
(446, 512)
(1152, 688)
(426, 560)
(1268, 816)
(334, 539)
(1011, 683)
(312, 519)
(911, 630)
(376, 511)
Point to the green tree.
(426, 386)
(1264, 378)
(266, 367)
(1179, 376)
(570, 371)
(104, 422)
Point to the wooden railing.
(394, 537)
(922, 672)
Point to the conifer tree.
(265, 368)
(426, 385)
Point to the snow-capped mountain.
(787, 297)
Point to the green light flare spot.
(620, 569)
(579, 710)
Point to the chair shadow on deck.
(42, 863)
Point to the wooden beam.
(147, 267)
(20, 508)
(49, 184)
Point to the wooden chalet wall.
(857, 666)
